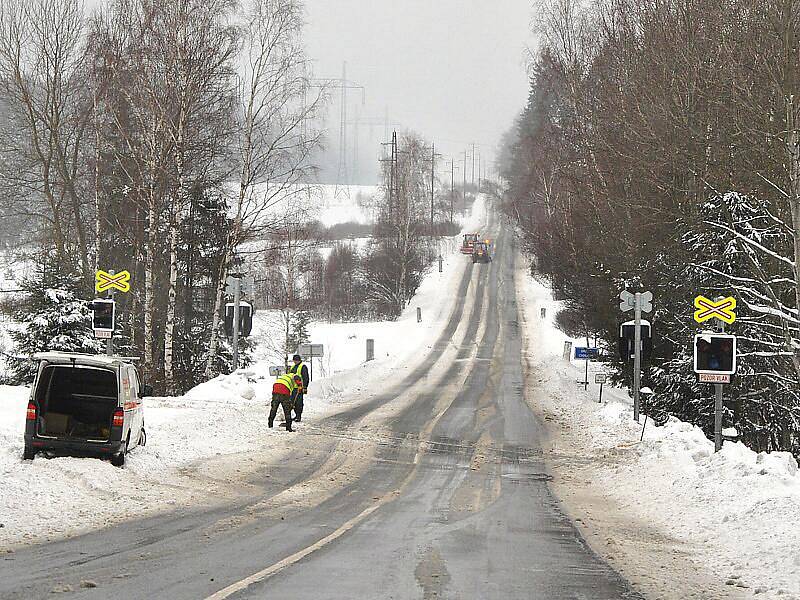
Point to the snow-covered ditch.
(199, 445)
(679, 520)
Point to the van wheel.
(118, 460)
(143, 437)
(28, 453)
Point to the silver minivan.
(85, 405)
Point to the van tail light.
(31, 413)
(119, 418)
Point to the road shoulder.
(655, 562)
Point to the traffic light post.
(715, 362)
(637, 354)
(718, 411)
(110, 340)
(104, 310)
(238, 314)
(715, 353)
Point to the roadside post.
(419, 315)
(639, 302)
(715, 353)
(601, 379)
(370, 349)
(647, 392)
(104, 311)
(440, 263)
(567, 350)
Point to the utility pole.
(341, 175)
(392, 160)
(372, 122)
(386, 127)
(433, 168)
(464, 184)
(355, 149)
(473, 165)
(343, 85)
(452, 186)
(479, 172)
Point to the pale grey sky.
(452, 70)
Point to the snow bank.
(735, 512)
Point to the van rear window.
(86, 381)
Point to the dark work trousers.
(286, 402)
(298, 406)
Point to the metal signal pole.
(718, 410)
(237, 299)
(637, 355)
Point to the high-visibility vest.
(298, 368)
(287, 380)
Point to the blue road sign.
(585, 353)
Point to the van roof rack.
(102, 358)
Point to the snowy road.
(435, 488)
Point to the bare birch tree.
(273, 140)
(42, 71)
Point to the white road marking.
(297, 556)
(347, 526)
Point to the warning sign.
(117, 281)
(713, 378)
(711, 309)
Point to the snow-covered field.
(667, 507)
(348, 206)
(202, 446)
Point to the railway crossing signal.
(104, 312)
(110, 281)
(715, 353)
(721, 309)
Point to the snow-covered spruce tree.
(299, 331)
(738, 249)
(54, 315)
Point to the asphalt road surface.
(452, 501)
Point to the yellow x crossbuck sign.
(118, 281)
(711, 309)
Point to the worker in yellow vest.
(284, 392)
(300, 368)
